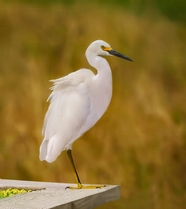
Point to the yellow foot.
(80, 186)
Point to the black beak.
(117, 54)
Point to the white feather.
(67, 113)
(77, 102)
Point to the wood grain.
(54, 195)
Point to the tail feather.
(51, 149)
(43, 150)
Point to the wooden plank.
(54, 195)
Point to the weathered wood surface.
(56, 196)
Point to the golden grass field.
(140, 142)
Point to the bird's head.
(101, 48)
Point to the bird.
(77, 102)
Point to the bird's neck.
(101, 89)
(103, 77)
(102, 66)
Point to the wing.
(67, 113)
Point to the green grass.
(174, 10)
(11, 192)
(140, 142)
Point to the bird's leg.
(79, 185)
(69, 153)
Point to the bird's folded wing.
(67, 114)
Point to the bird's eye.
(103, 47)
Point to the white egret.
(77, 102)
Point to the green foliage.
(140, 142)
(11, 191)
(175, 10)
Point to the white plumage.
(77, 102)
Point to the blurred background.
(140, 142)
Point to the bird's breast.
(100, 97)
